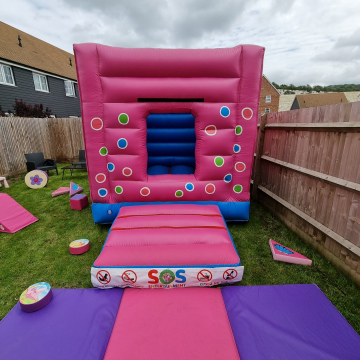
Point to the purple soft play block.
(76, 324)
(285, 322)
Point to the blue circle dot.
(227, 178)
(237, 148)
(122, 143)
(111, 166)
(225, 111)
(102, 192)
(189, 187)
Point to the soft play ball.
(36, 179)
(78, 247)
(35, 297)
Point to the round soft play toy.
(35, 297)
(36, 179)
(80, 246)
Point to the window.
(40, 82)
(69, 88)
(268, 99)
(267, 110)
(6, 75)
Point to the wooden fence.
(59, 139)
(307, 172)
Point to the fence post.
(259, 151)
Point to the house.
(313, 100)
(37, 73)
(269, 97)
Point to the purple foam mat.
(288, 322)
(76, 324)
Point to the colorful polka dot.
(123, 119)
(118, 189)
(227, 178)
(189, 186)
(111, 167)
(179, 193)
(224, 111)
(96, 124)
(210, 130)
(219, 161)
(240, 166)
(238, 188)
(102, 192)
(247, 113)
(127, 171)
(237, 148)
(122, 143)
(210, 188)
(100, 178)
(145, 191)
(103, 151)
(238, 130)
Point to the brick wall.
(268, 89)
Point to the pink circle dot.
(145, 191)
(247, 113)
(210, 188)
(240, 166)
(96, 124)
(210, 130)
(100, 178)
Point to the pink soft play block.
(188, 323)
(60, 191)
(13, 216)
(285, 254)
(144, 235)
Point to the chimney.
(19, 38)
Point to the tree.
(26, 110)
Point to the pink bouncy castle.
(170, 133)
(169, 125)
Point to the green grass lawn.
(40, 252)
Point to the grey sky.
(307, 42)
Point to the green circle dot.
(179, 193)
(123, 119)
(103, 151)
(238, 189)
(238, 130)
(119, 189)
(219, 161)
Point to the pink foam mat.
(190, 241)
(179, 324)
(13, 217)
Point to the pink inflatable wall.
(113, 80)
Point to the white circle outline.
(240, 162)
(207, 130)
(225, 108)
(127, 118)
(102, 123)
(242, 113)
(210, 193)
(129, 169)
(122, 148)
(100, 182)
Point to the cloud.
(305, 42)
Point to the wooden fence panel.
(59, 139)
(308, 173)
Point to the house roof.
(313, 100)
(271, 84)
(35, 53)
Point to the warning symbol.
(204, 275)
(103, 277)
(129, 277)
(230, 274)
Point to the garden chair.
(38, 161)
(82, 159)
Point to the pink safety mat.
(13, 217)
(179, 324)
(191, 240)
